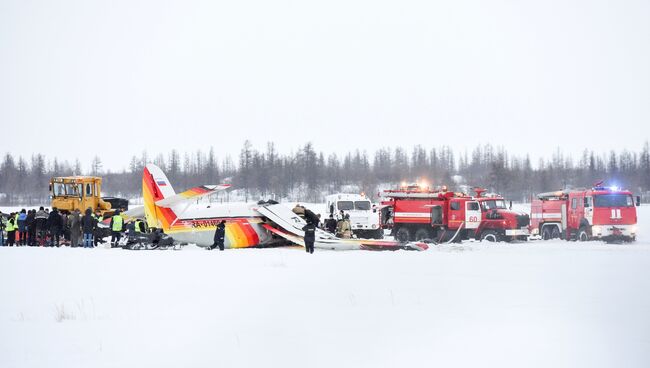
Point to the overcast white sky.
(79, 78)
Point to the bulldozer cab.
(77, 193)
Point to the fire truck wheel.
(555, 234)
(403, 234)
(583, 235)
(490, 235)
(422, 234)
(546, 233)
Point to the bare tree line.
(307, 174)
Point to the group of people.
(342, 227)
(55, 228)
(40, 227)
(47, 228)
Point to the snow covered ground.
(536, 304)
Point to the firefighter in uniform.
(343, 228)
(117, 226)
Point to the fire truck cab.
(607, 214)
(499, 222)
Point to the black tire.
(421, 234)
(583, 234)
(490, 236)
(547, 233)
(403, 234)
(555, 233)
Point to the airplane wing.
(190, 194)
(289, 221)
(137, 212)
(289, 226)
(284, 234)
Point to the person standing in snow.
(310, 236)
(11, 230)
(40, 226)
(220, 236)
(22, 230)
(65, 229)
(74, 224)
(2, 230)
(343, 228)
(30, 224)
(97, 235)
(88, 224)
(117, 226)
(55, 226)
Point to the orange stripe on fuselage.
(251, 236)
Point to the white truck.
(364, 217)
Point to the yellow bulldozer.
(71, 193)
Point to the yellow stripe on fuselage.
(237, 237)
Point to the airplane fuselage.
(197, 224)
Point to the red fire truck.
(597, 213)
(414, 213)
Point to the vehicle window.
(89, 190)
(587, 201)
(59, 190)
(472, 206)
(455, 206)
(69, 189)
(574, 203)
(494, 204)
(345, 205)
(613, 200)
(362, 205)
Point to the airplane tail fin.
(156, 187)
(162, 205)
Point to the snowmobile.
(156, 239)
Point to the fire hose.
(462, 224)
